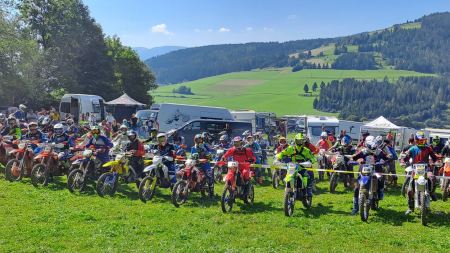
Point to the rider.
(21, 114)
(167, 149)
(446, 150)
(298, 153)
(223, 142)
(371, 149)
(256, 149)
(421, 153)
(12, 129)
(34, 134)
(121, 140)
(60, 136)
(345, 147)
(241, 155)
(203, 151)
(101, 143)
(136, 148)
(264, 144)
(311, 146)
(282, 145)
(437, 145)
(324, 143)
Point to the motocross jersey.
(256, 151)
(38, 136)
(61, 139)
(14, 131)
(378, 155)
(422, 154)
(297, 154)
(203, 151)
(240, 155)
(137, 146)
(101, 142)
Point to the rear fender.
(110, 164)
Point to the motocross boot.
(355, 208)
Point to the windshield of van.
(146, 114)
(317, 130)
(64, 107)
(96, 108)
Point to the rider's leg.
(355, 208)
(410, 193)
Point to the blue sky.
(151, 23)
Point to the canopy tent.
(123, 106)
(381, 123)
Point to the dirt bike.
(421, 186)
(6, 145)
(296, 187)
(85, 168)
(157, 175)
(191, 179)
(244, 189)
(46, 165)
(368, 190)
(120, 173)
(22, 161)
(219, 170)
(340, 164)
(279, 174)
(445, 180)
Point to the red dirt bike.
(192, 179)
(47, 164)
(21, 163)
(6, 145)
(244, 188)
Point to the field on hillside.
(274, 90)
(54, 220)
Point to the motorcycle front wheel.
(179, 197)
(39, 175)
(227, 199)
(76, 181)
(423, 208)
(289, 203)
(147, 188)
(363, 205)
(333, 182)
(106, 184)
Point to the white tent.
(381, 123)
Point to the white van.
(353, 129)
(173, 116)
(246, 116)
(78, 104)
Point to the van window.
(193, 126)
(96, 107)
(317, 130)
(215, 127)
(64, 107)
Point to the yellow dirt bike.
(120, 172)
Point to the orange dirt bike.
(21, 163)
(47, 164)
(6, 145)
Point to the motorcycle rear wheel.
(445, 190)
(11, 173)
(75, 181)
(275, 180)
(333, 182)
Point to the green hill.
(274, 90)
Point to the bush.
(183, 90)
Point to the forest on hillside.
(411, 101)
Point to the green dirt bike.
(296, 186)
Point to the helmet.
(2, 116)
(22, 107)
(346, 141)
(123, 127)
(162, 138)
(32, 126)
(58, 129)
(237, 141)
(197, 138)
(282, 140)
(45, 120)
(299, 139)
(379, 140)
(223, 138)
(131, 135)
(95, 130)
(370, 143)
(421, 140)
(324, 135)
(12, 120)
(246, 133)
(436, 140)
(69, 121)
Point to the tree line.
(410, 101)
(52, 47)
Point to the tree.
(315, 102)
(322, 85)
(306, 88)
(314, 87)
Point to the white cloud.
(292, 17)
(248, 29)
(268, 29)
(161, 28)
(224, 30)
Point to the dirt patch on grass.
(235, 85)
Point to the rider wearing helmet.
(121, 140)
(153, 135)
(446, 150)
(60, 136)
(101, 143)
(241, 155)
(136, 148)
(298, 153)
(203, 151)
(422, 153)
(223, 142)
(21, 114)
(72, 128)
(345, 147)
(34, 134)
(437, 145)
(264, 144)
(256, 149)
(282, 145)
(324, 143)
(166, 149)
(12, 129)
(371, 149)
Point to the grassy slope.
(279, 92)
(52, 219)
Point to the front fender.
(150, 168)
(364, 180)
(110, 164)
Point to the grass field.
(54, 220)
(274, 90)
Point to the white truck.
(81, 104)
(173, 116)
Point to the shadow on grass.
(316, 212)
(439, 219)
(389, 216)
(257, 207)
(127, 191)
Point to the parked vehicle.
(77, 104)
(317, 125)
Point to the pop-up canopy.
(123, 106)
(381, 123)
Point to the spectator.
(110, 118)
(54, 115)
(32, 116)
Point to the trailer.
(245, 116)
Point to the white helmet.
(370, 142)
(58, 129)
(323, 134)
(22, 107)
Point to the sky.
(153, 23)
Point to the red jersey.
(240, 155)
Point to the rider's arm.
(286, 152)
(18, 133)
